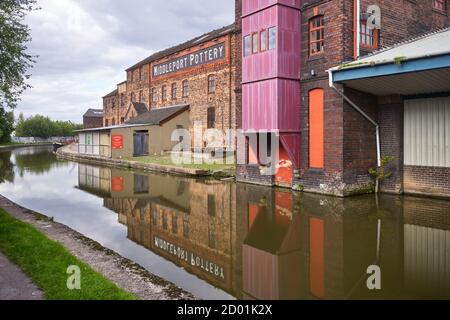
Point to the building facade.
(199, 73)
(329, 145)
(93, 118)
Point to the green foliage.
(43, 127)
(15, 62)
(6, 125)
(381, 174)
(46, 263)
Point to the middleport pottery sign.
(194, 59)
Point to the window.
(186, 229)
(316, 35)
(164, 93)
(154, 95)
(440, 5)
(212, 84)
(141, 96)
(316, 129)
(142, 73)
(122, 99)
(263, 40)
(369, 38)
(131, 75)
(174, 91)
(185, 89)
(272, 38)
(211, 117)
(132, 97)
(255, 48)
(247, 46)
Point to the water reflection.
(255, 242)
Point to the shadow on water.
(254, 242)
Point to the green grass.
(167, 161)
(46, 262)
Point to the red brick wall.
(427, 180)
(92, 122)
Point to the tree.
(6, 125)
(15, 62)
(43, 127)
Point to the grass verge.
(46, 262)
(167, 161)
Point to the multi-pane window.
(440, 5)
(255, 43)
(185, 89)
(141, 96)
(316, 35)
(369, 38)
(164, 93)
(211, 118)
(154, 95)
(142, 73)
(272, 38)
(174, 91)
(247, 46)
(212, 84)
(263, 40)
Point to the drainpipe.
(365, 115)
(357, 28)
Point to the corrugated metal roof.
(429, 45)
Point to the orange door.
(316, 129)
(285, 169)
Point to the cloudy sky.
(84, 46)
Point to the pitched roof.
(112, 94)
(94, 113)
(429, 45)
(140, 108)
(158, 116)
(196, 41)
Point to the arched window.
(174, 91)
(164, 93)
(316, 129)
(316, 35)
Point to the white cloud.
(84, 46)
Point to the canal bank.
(68, 153)
(124, 273)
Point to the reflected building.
(261, 243)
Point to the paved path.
(14, 284)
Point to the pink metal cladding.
(251, 6)
(271, 79)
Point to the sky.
(85, 46)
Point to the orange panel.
(316, 129)
(253, 211)
(285, 170)
(117, 184)
(317, 257)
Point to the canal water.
(222, 240)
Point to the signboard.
(117, 184)
(194, 59)
(194, 260)
(117, 142)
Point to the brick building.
(199, 73)
(330, 144)
(93, 118)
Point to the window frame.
(440, 5)
(245, 42)
(364, 35)
(164, 93)
(185, 89)
(321, 30)
(154, 95)
(212, 79)
(265, 38)
(211, 123)
(255, 50)
(268, 38)
(174, 92)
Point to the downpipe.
(367, 117)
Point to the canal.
(221, 240)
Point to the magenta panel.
(250, 6)
(271, 105)
(284, 61)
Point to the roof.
(415, 67)
(158, 116)
(193, 42)
(112, 94)
(94, 113)
(140, 107)
(428, 45)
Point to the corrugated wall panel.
(427, 132)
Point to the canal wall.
(66, 153)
